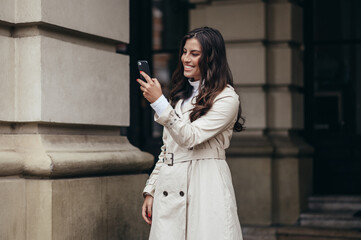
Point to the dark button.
(181, 193)
(165, 193)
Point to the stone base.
(272, 178)
(77, 208)
(70, 182)
(259, 233)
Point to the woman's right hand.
(147, 209)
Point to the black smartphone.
(143, 66)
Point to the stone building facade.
(65, 98)
(68, 107)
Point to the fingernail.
(149, 215)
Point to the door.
(333, 93)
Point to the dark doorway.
(333, 93)
(156, 28)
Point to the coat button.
(165, 193)
(181, 193)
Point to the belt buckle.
(171, 158)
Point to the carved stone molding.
(42, 155)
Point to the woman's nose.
(187, 58)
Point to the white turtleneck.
(195, 86)
(162, 103)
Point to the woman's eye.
(195, 55)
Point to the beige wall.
(7, 69)
(53, 75)
(64, 96)
(81, 208)
(264, 50)
(59, 67)
(88, 16)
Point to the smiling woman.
(189, 194)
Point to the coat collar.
(189, 106)
(178, 108)
(186, 109)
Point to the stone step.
(307, 233)
(331, 219)
(334, 203)
(298, 233)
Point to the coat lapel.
(189, 106)
(185, 109)
(178, 108)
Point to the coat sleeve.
(188, 134)
(150, 184)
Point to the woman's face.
(192, 52)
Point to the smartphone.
(143, 66)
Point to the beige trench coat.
(191, 182)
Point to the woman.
(189, 194)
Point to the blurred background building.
(76, 133)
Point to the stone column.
(270, 163)
(66, 171)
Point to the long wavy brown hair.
(214, 70)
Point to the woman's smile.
(188, 68)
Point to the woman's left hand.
(151, 89)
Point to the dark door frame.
(349, 137)
(140, 130)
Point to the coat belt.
(177, 157)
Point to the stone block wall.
(65, 170)
(74, 208)
(61, 64)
